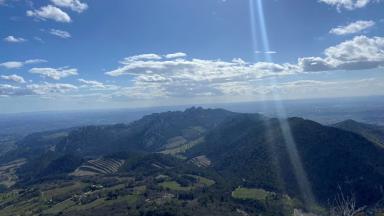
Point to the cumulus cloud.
(187, 77)
(352, 28)
(141, 57)
(12, 64)
(60, 33)
(96, 85)
(154, 76)
(43, 89)
(13, 39)
(13, 77)
(50, 12)
(197, 69)
(357, 54)
(19, 64)
(347, 4)
(55, 73)
(176, 55)
(74, 5)
(51, 88)
(8, 90)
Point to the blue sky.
(80, 54)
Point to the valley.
(192, 162)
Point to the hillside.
(152, 133)
(373, 133)
(294, 161)
(251, 150)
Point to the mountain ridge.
(245, 149)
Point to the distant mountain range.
(249, 150)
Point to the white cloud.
(357, 54)
(10, 90)
(13, 39)
(38, 39)
(96, 85)
(60, 33)
(12, 64)
(352, 28)
(74, 5)
(13, 77)
(347, 4)
(301, 88)
(141, 57)
(181, 77)
(176, 55)
(50, 12)
(91, 82)
(43, 89)
(19, 64)
(51, 88)
(154, 76)
(35, 61)
(197, 69)
(54, 73)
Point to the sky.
(92, 54)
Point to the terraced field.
(99, 166)
(201, 161)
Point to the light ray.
(299, 171)
(253, 27)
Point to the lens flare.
(294, 156)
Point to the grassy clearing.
(60, 207)
(172, 185)
(183, 148)
(138, 190)
(23, 208)
(250, 193)
(91, 205)
(202, 181)
(175, 142)
(205, 181)
(70, 189)
(128, 199)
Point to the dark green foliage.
(50, 165)
(3, 188)
(373, 133)
(147, 134)
(253, 152)
(62, 165)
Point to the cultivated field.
(99, 166)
